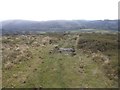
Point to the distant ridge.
(57, 25)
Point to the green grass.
(58, 70)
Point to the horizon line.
(58, 20)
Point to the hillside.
(13, 26)
(35, 61)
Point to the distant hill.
(11, 26)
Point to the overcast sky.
(58, 9)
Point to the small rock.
(24, 81)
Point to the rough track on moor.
(60, 60)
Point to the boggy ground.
(28, 62)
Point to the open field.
(60, 60)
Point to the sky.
(42, 10)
